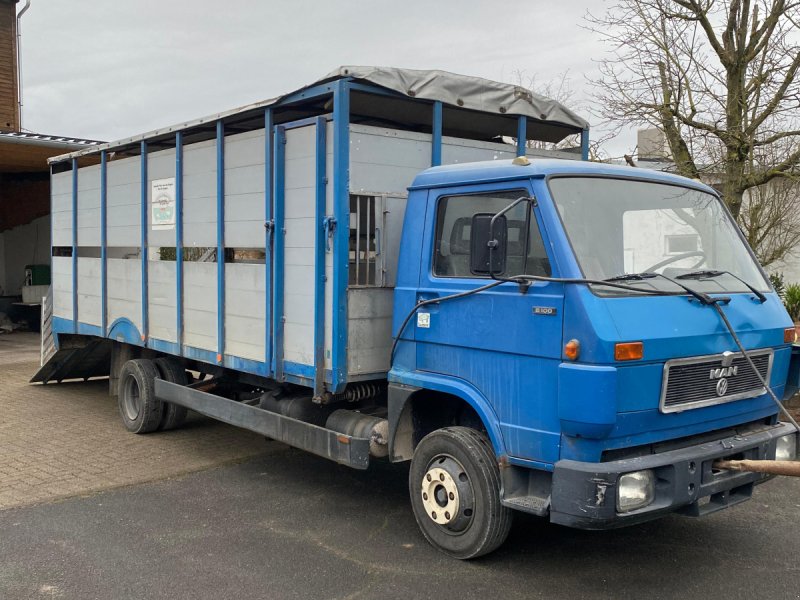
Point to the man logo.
(722, 387)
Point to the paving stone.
(61, 440)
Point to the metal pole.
(19, 59)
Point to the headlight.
(787, 447)
(635, 490)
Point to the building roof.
(22, 152)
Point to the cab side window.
(453, 235)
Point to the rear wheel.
(140, 409)
(454, 484)
(169, 369)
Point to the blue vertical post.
(341, 248)
(104, 242)
(436, 138)
(145, 220)
(220, 241)
(585, 144)
(268, 236)
(179, 239)
(278, 246)
(319, 261)
(522, 134)
(75, 245)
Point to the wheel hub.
(132, 398)
(447, 495)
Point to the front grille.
(688, 382)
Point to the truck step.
(529, 504)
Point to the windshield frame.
(688, 184)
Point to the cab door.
(505, 342)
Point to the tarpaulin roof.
(459, 91)
(474, 93)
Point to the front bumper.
(584, 494)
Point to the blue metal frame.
(310, 92)
(103, 242)
(278, 245)
(585, 144)
(522, 134)
(319, 259)
(436, 137)
(341, 249)
(220, 241)
(268, 237)
(179, 238)
(75, 245)
(144, 185)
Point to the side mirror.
(488, 242)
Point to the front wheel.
(454, 485)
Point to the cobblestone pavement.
(66, 439)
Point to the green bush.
(776, 279)
(791, 300)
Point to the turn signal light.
(789, 335)
(628, 351)
(571, 349)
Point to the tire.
(460, 514)
(140, 409)
(173, 415)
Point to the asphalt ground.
(291, 525)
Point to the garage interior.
(24, 188)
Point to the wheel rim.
(132, 398)
(447, 494)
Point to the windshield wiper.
(709, 274)
(703, 298)
(632, 277)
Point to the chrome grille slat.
(687, 384)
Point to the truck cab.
(604, 406)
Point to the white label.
(162, 203)
(424, 320)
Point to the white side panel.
(89, 304)
(298, 335)
(62, 287)
(124, 202)
(200, 194)
(89, 206)
(200, 305)
(162, 292)
(369, 338)
(61, 208)
(124, 291)
(244, 190)
(386, 160)
(455, 150)
(244, 310)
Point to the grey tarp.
(473, 93)
(464, 91)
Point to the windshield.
(618, 227)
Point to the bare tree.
(770, 220)
(718, 77)
(560, 89)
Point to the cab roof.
(506, 170)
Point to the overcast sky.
(107, 69)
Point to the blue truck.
(398, 265)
